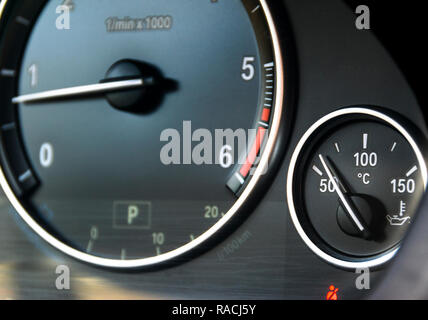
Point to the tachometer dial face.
(133, 131)
(354, 185)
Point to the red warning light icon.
(332, 293)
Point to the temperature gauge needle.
(73, 92)
(347, 203)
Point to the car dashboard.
(122, 165)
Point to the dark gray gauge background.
(102, 155)
(321, 208)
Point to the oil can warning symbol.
(399, 219)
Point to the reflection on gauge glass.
(105, 106)
(354, 185)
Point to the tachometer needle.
(72, 92)
(345, 201)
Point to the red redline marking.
(245, 169)
(265, 115)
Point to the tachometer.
(133, 131)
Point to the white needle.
(341, 195)
(97, 88)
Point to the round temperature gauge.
(354, 184)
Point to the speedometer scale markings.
(104, 136)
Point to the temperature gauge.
(354, 184)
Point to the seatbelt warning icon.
(332, 293)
